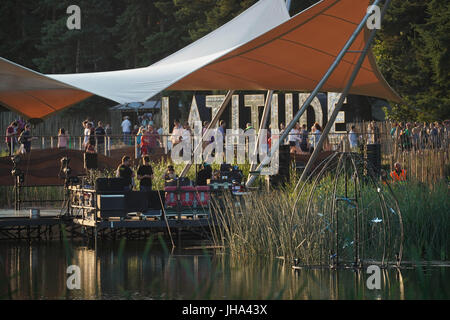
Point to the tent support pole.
(344, 94)
(263, 124)
(211, 125)
(313, 94)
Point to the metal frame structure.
(253, 174)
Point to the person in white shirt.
(353, 139)
(177, 133)
(126, 129)
(86, 133)
(294, 135)
(316, 132)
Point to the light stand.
(65, 173)
(19, 179)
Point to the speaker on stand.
(282, 176)
(90, 161)
(372, 157)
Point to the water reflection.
(135, 271)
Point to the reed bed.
(267, 224)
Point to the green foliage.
(413, 54)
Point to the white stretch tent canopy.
(36, 95)
(261, 49)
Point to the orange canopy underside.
(296, 55)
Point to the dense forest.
(412, 48)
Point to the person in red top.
(149, 140)
(398, 174)
(145, 142)
(154, 137)
(10, 139)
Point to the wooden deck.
(50, 226)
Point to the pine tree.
(20, 25)
(89, 49)
(412, 51)
(168, 35)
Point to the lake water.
(135, 270)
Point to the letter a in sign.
(374, 281)
(74, 21)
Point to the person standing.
(394, 131)
(406, 137)
(125, 172)
(25, 139)
(145, 175)
(294, 135)
(144, 142)
(221, 129)
(139, 142)
(282, 128)
(86, 133)
(424, 136)
(177, 133)
(62, 139)
(11, 137)
(100, 134)
(145, 121)
(316, 132)
(376, 133)
(353, 139)
(126, 130)
(20, 125)
(154, 140)
(304, 139)
(416, 136)
(108, 130)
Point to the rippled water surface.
(143, 270)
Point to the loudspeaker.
(111, 205)
(283, 172)
(285, 161)
(373, 157)
(110, 185)
(136, 201)
(90, 161)
(184, 182)
(154, 199)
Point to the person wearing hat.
(126, 129)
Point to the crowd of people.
(144, 134)
(94, 136)
(406, 136)
(300, 139)
(419, 136)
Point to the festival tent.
(260, 49)
(35, 95)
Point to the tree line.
(412, 48)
